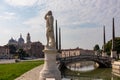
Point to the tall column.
(104, 36)
(104, 42)
(59, 40)
(113, 36)
(56, 36)
(113, 52)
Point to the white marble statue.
(50, 70)
(50, 30)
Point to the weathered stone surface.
(50, 69)
(113, 54)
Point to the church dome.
(12, 41)
(20, 40)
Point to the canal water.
(88, 70)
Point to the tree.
(96, 48)
(12, 49)
(108, 46)
(22, 53)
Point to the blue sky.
(81, 21)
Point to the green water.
(96, 74)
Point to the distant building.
(4, 52)
(12, 42)
(33, 49)
(76, 52)
(28, 43)
(21, 42)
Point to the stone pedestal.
(50, 69)
(116, 68)
(113, 54)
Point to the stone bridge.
(104, 62)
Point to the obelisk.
(50, 70)
(104, 42)
(113, 51)
(56, 36)
(59, 40)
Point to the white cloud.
(4, 32)
(71, 14)
(76, 12)
(7, 16)
(21, 2)
(37, 21)
(37, 27)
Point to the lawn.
(14, 70)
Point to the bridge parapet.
(101, 60)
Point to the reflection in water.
(87, 70)
(82, 66)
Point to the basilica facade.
(33, 49)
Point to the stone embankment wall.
(116, 68)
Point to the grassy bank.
(14, 70)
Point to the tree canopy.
(96, 47)
(108, 45)
(22, 53)
(12, 49)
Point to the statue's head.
(49, 12)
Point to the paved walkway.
(31, 75)
(6, 61)
(34, 74)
